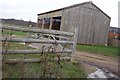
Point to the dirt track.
(90, 60)
(108, 63)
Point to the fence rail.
(51, 47)
(35, 30)
(32, 60)
(54, 33)
(35, 41)
(32, 51)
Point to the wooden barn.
(91, 22)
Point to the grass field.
(105, 50)
(35, 70)
(6, 32)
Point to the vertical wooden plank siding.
(92, 24)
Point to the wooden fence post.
(74, 43)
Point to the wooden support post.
(43, 23)
(51, 23)
(38, 23)
(74, 44)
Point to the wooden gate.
(49, 41)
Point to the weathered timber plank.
(31, 51)
(11, 61)
(35, 41)
(21, 60)
(36, 30)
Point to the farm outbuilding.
(91, 22)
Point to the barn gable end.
(92, 23)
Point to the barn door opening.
(56, 23)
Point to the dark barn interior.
(56, 23)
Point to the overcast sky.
(28, 9)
